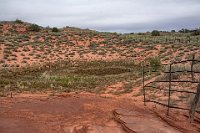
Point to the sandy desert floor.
(86, 113)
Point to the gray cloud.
(105, 15)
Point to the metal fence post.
(170, 72)
(192, 73)
(143, 83)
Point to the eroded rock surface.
(133, 121)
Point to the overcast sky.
(105, 15)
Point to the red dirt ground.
(82, 113)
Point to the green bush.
(93, 45)
(55, 29)
(155, 33)
(34, 27)
(19, 21)
(155, 63)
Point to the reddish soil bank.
(77, 113)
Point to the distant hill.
(23, 44)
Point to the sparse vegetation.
(86, 76)
(104, 53)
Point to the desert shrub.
(184, 31)
(18, 21)
(5, 65)
(34, 27)
(2, 94)
(155, 33)
(24, 61)
(196, 32)
(141, 33)
(155, 63)
(55, 29)
(174, 76)
(177, 59)
(2, 61)
(31, 54)
(93, 45)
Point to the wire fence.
(168, 81)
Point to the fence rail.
(171, 89)
(170, 81)
(152, 101)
